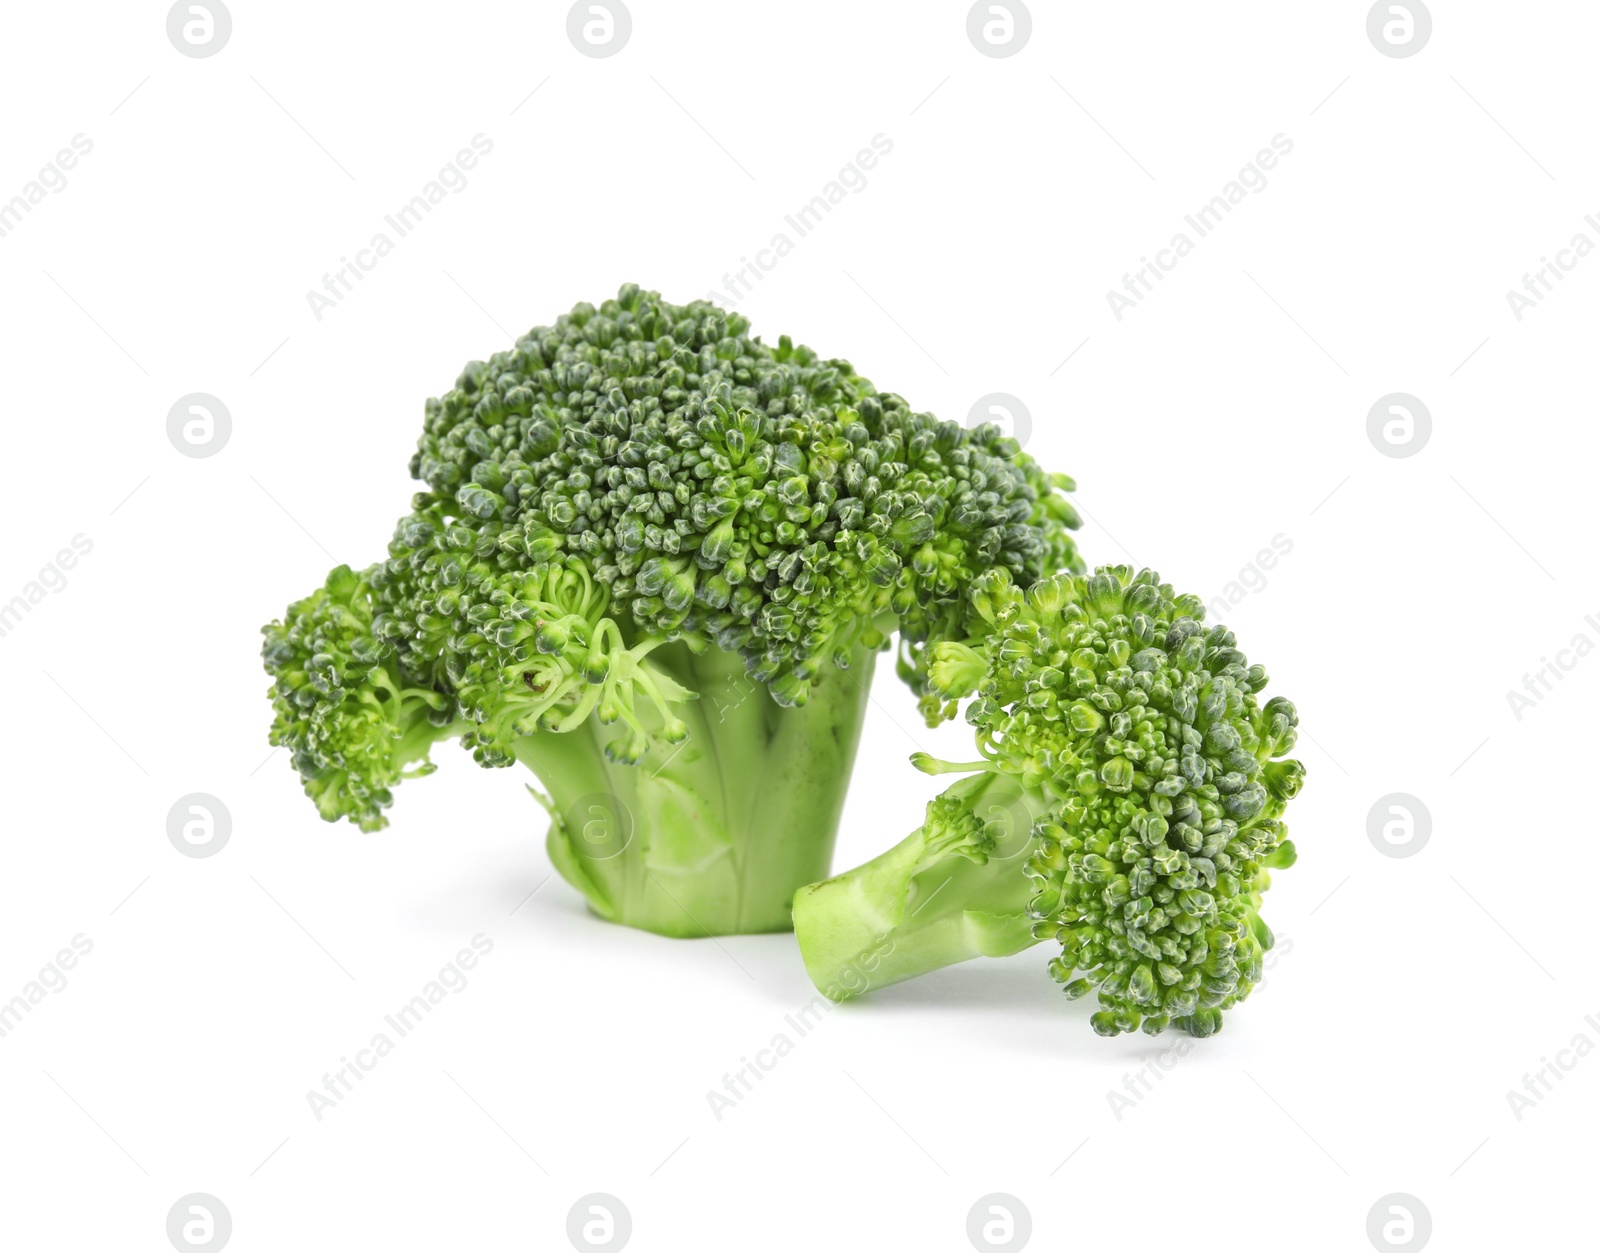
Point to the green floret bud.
(956, 670)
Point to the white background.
(1228, 408)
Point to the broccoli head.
(653, 563)
(1127, 804)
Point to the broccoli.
(1127, 803)
(654, 563)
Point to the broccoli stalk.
(948, 892)
(1128, 804)
(711, 834)
(653, 565)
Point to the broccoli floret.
(1128, 804)
(653, 564)
(356, 723)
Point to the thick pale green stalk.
(919, 907)
(714, 835)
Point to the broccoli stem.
(711, 836)
(925, 903)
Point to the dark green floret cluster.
(354, 719)
(1127, 740)
(761, 498)
(652, 563)
(1151, 873)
